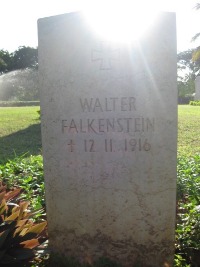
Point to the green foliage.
(196, 53)
(185, 100)
(19, 234)
(19, 103)
(195, 103)
(186, 86)
(188, 210)
(26, 173)
(25, 57)
(5, 61)
(179, 261)
(187, 64)
(188, 175)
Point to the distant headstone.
(109, 133)
(197, 88)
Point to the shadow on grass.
(26, 141)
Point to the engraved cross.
(71, 146)
(105, 54)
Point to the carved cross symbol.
(71, 146)
(105, 54)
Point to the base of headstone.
(88, 249)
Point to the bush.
(19, 103)
(188, 211)
(195, 103)
(19, 234)
(185, 100)
(26, 173)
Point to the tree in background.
(5, 61)
(187, 66)
(25, 57)
(196, 53)
(188, 70)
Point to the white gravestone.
(109, 133)
(197, 88)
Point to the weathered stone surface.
(197, 88)
(109, 132)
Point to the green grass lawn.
(188, 130)
(19, 132)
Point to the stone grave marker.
(197, 88)
(109, 134)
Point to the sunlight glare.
(120, 21)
